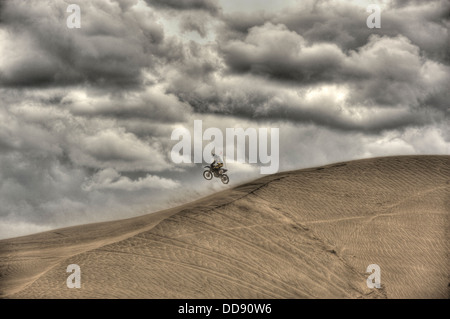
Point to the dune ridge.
(309, 233)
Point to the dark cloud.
(210, 6)
(112, 48)
(193, 23)
(126, 4)
(153, 105)
(275, 51)
(387, 82)
(264, 102)
(344, 24)
(51, 165)
(238, 24)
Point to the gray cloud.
(111, 179)
(193, 23)
(113, 47)
(51, 165)
(153, 104)
(210, 6)
(369, 90)
(343, 23)
(275, 51)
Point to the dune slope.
(302, 234)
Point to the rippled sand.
(302, 234)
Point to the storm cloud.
(113, 47)
(86, 115)
(211, 6)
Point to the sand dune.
(302, 234)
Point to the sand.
(309, 233)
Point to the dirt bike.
(216, 172)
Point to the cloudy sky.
(86, 115)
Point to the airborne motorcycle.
(216, 172)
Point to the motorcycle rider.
(217, 163)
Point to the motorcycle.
(216, 172)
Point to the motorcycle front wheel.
(207, 175)
(225, 179)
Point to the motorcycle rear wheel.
(207, 175)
